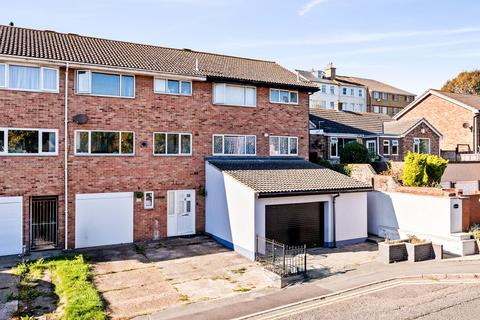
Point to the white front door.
(372, 147)
(11, 224)
(181, 212)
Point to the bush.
(423, 170)
(475, 231)
(354, 152)
(339, 167)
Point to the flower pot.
(392, 252)
(478, 245)
(419, 251)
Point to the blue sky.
(412, 44)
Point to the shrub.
(475, 231)
(339, 167)
(423, 170)
(354, 152)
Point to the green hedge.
(423, 170)
(354, 152)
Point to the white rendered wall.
(394, 213)
(229, 211)
(351, 216)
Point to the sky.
(411, 44)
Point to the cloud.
(309, 6)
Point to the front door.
(43, 222)
(181, 212)
(372, 147)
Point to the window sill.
(233, 155)
(27, 90)
(233, 105)
(287, 103)
(173, 94)
(102, 155)
(172, 155)
(28, 155)
(284, 155)
(102, 96)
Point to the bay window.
(28, 141)
(175, 87)
(28, 78)
(105, 84)
(90, 142)
(234, 144)
(169, 144)
(283, 96)
(283, 146)
(234, 95)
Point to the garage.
(11, 225)
(103, 219)
(296, 224)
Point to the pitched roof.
(471, 100)
(42, 44)
(272, 176)
(400, 126)
(374, 85)
(348, 122)
(310, 76)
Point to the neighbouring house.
(105, 141)
(290, 200)
(331, 130)
(333, 93)
(355, 94)
(457, 117)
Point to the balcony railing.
(461, 157)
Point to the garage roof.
(273, 177)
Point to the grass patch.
(242, 289)
(240, 270)
(71, 277)
(184, 298)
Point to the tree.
(354, 152)
(423, 170)
(467, 82)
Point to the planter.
(478, 245)
(419, 251)
(392, 252)
(437, 251)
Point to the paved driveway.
(136, 279)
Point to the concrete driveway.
(142, 279)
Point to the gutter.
(310, 193)
(65, 155)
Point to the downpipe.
(334, 218)
(65, 155)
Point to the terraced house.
(105, 142)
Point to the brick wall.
(146, 113)
(470, 211)
(446, 117)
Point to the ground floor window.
(28, 141)
(172, 143)
(421, 145)
(283, 146)
(104, 142)
(333, 147)
(395, 147)
(386, 147)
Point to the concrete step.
(461, 235)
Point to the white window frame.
(89, 93)
(179, 154)
(396, 144)
(233, 135)
(41, 89)
(40, 152)
(344, 91)
(152, 205)
(90, 154)
(288, 146)
(332, 89)
(374, 146)
(352, 92)
(360, 92)
(376, 95)
(233, 104)
(179, 83)
(324, 104)
(281, 102)
(333, 141)
(386, 143)
(416, 145)
(324, 88)
(332, 105)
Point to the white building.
(335, 94)
(291, 201)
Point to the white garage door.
(103, 218)
(11, 225)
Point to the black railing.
(280, 258)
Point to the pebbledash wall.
(148, 112)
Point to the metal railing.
(280, 258)
(460, 156)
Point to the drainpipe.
(475, 134)
(65, 155)
(334, 242)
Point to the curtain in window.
(218, 144)
(49, 79)
(82, 142)
(185, 144)
(172, 143)
(234, 145)
(21, 77)
(274, 145)
(293, 145)
(128, 86)
(160, 143)
(283, 145)
(48, 141)
(235, 95)
(2, 75)
(250, 147)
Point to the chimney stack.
(330, 71)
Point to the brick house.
(456, 116)
(389, 139)
(140, 121)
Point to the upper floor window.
(105, 84)
(324, 88)
(234, 95)
(324, 104)
(104, 142)
(234, 144)
(352, 91)
(169, 86)
(344, 91)
(384, 110)
(384, 96)
(332, 104)
(28, 141)
(360, 92)
(168, 144)
(421, 145)
(332, 89)
(28, 78)
(395, 97)
(283, 96)
(376, 95)
(283, 146)
(376, 109)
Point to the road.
(400, 301)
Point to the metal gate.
(43, 223)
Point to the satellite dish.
(80, 118)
